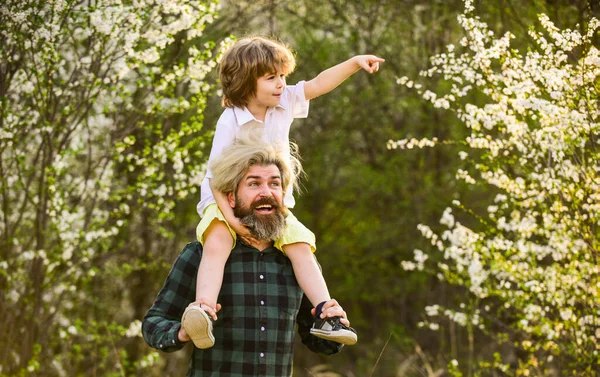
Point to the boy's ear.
(231, 199)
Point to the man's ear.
(231, 199)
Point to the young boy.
(253, 77)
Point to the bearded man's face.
(264, 227)
(259, 202)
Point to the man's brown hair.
(235, 160)
(246, 61)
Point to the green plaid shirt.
(254, 336)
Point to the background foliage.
(101, 115)
(107, 112)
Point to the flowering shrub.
(531, 267)
(101, 104)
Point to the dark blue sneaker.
(332, 329)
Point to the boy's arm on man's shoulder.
(330, 78)
(162, 322)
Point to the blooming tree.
(531, 266)
(100, 107)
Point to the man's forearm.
(162, 322)
(304, 321)
(161, 333)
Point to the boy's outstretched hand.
(369, 63)
(330, 78)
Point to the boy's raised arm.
(330, 78)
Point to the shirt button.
(262, 302)
(262, 277)
(262, 328)
(262, 354)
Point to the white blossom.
(535, 139)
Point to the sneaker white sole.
(346, 337)
(198, 326)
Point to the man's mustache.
(266, 201)
(264, 227)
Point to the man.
(260, 301)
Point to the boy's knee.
(299, 250)
(218, 236)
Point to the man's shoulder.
(193, 245)
(191, 250)
(194, 248)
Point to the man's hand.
(332, 309)
(183, 336)
(369, 63)
(205, 305)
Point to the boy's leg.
(307, 271)
(216, 249)
(309, 277)
(215, 252)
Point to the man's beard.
(262, 227)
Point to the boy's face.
(268, 90)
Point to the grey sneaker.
(198, 325)
(332, 329)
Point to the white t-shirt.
(275, 129)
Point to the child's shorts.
(294, 231)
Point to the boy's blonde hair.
(246, 61)
(235, 160)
